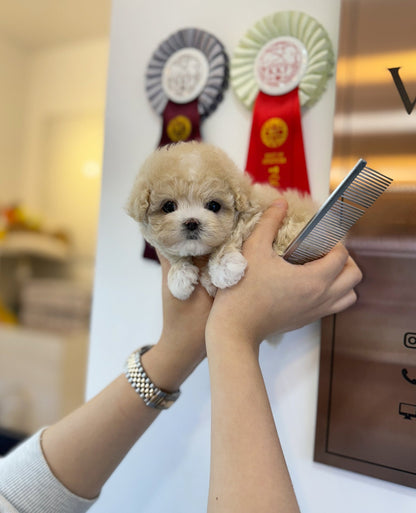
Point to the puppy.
(190, 199)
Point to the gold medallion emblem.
(274, 132)
(179, 128)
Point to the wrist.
(230, 345)
(226, 335)
(184, 345)
(168, 365)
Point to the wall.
(168, 469)
(13, 90)
(65, 81)
(51, 126)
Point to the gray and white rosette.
(287, 29)
(189, 64)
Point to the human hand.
(275, 296)
(181, 346)
(184, 321)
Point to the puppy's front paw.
(228, 270)
(182, 280)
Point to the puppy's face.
(187, 218)
(187, 199)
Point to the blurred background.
(370, 118)
(53, 67)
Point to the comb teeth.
(356, 193)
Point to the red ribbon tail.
(180, 123)
(276, 153)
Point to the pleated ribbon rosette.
(281, 64)
(185, 81)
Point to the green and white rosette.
(295, 24)
(282, 63)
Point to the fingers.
(334, 276)
(266, 230)
(331, 265)
(341, 293)
(349, 277)
(344, 302)
(342, 289)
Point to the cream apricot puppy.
(190, 199)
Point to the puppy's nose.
(191, 224)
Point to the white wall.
(168, 469)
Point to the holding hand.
(275, 296)
(248, 469)
(181, 346)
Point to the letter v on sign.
(408, 105)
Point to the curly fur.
(191, 176)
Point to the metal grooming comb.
(355, 194)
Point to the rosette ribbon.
(185, 81)
(281, 64)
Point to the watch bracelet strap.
(153, 396)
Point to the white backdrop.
(168, 468)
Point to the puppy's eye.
(214, 206)
(169, 206)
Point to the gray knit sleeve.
(28, 484)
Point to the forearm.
(248, 470)
(85, 448)
(27, 483)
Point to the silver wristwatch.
(152, 395)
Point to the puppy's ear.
(138, 202)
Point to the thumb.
(266, 230)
